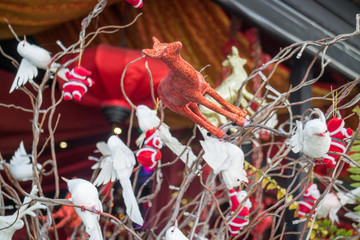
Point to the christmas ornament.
(337, 133)
(313, 140)
(148, 120)
(20, 165)
(85, 194)
(242, 218)
(118, 163)
(77, 84)
(329, 206)
(174, 233)
(184, 88)
(229, 87)
(136, 3)
(149, 154)
(310, 196)
(33, 57)
(10, 224)
(226, 158)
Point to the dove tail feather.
(132, 207)
(95, 234)
(176, 147)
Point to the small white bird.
(10, 224)
(329, 206)
(20, 165)
(85, 194)
(33, 57)
(148, 119)
(226, 158)
(314, 139)
(174, 233)
(118, 163)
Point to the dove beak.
(65, 179)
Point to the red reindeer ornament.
(337, 133)
(242, 219)
(149, 154)
(78, 83)
(310, 196)
(184, 88)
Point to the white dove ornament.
(34, 57)
(85, 194)
(174, 233)
(11, 223)
(148, 119)
(314, 139)
(118, 163)
(20, 165)
(226, 158)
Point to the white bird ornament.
(11, 223)
(148, 120)
(34, 57)
(20, 165)
(85, 194)
(174, 233)
(226, 158)
(313, 139)
(118, 163)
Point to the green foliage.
(326, 230)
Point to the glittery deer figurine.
(184, 88)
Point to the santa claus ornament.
(311, 195)
(150, 154)
(242, 218)
(136, 3)
(77, 84)
(338, 134)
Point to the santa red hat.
(81, 71)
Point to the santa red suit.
(337, 133)
(78, 83)
(310, 196)
(242, 219)
(149, 154)
(136, 3)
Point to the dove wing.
(107, 172)
(27, 71)
(296, 141)
(215, 154)
(103, 148)
(124, 161)
(20, 156)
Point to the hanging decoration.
(184, 88)
(310, 196)
(225, 158)
(136, 3)
(313, 140)
(78, 82)
(34, 57)
(107, 63)
(242, 218)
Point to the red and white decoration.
(337, 133)
(78, 83)
(242, 219)
(311, 195)
(149, 154)
(136, 3)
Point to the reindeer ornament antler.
(184, 88)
